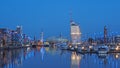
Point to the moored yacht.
(102, 49)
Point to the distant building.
(57, 40)
(117, 39)
(19, 29)
(8, 36)
(4, 36)
(105, 35)
(75, 33)
(26, 39)
(3, 30)
(19, 33)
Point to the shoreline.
(12, 47)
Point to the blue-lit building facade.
(12, 37)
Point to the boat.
(84, 48)
(71, 48)
(117, 48)
(91, 48)
(46, 44)
(102, 49)
(34, 44)
(64, 47)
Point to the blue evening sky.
(53, 16)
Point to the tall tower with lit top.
(105, 34)
(41, 39)
(19, 33)
(75, 32)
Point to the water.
(53, 57)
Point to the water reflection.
(42, 52)
(12, 58)
(54, 57)
(100, 61)
(75, 60)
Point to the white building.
(75, 33)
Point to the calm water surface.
(52, 57)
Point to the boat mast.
(41, 40)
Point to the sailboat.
(40, 42)
(34, 43)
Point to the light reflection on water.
(54, 57)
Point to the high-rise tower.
(19, 29)
(41, 39)
(75, 32)
(105, 34)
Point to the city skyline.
(54, 16)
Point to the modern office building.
(19, 33)
(75, 33)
